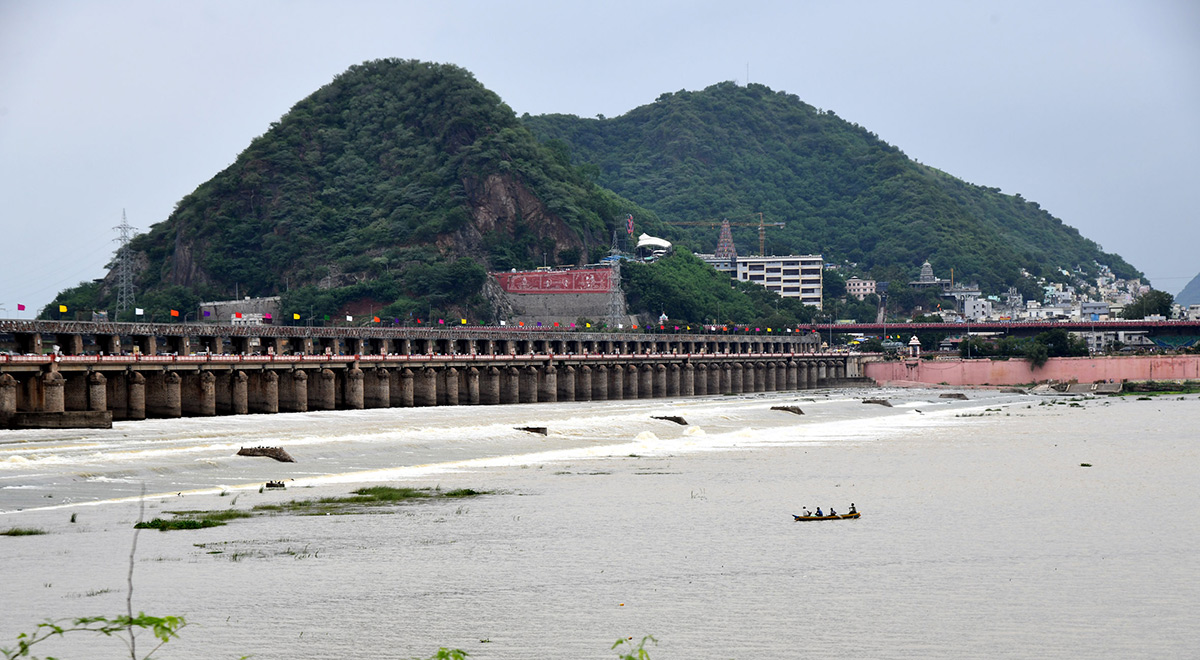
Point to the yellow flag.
(589, 325)
(295, 317)
(62, 308)
(464, 322)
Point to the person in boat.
(852, 510)
(806, 513)
(832, 512)
(819, 514)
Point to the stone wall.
(1020, 371)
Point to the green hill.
(733, 152)
(394, 186)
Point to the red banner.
(566, 281)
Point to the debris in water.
(541, 430)
(672, 418)
(882, 402)
(276, 453)
(792, 409)
(953, 395)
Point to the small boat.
(276, 484)
(840, 516)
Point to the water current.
(982, 534)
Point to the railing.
(417, 358)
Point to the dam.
(98, 372)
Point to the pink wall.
(1018, 372)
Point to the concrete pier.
(548, 385)
(528, 391)
(600, 383)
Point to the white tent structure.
(648, 241)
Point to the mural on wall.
(570, 281)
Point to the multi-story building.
(790, 276)
(860, 288)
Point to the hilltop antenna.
(125, 294)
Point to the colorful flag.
(503, 323)
(20, 307)
(464, 322)
(629, 224)
(441, 321)
(556, 324)
(326, 317)
(175, 312)
(206, 314)
(139, 311)
(265, 316)
(572, 325)
(295, 316)
(375, 319)
(237, 315)
(589, 325)
(349, 318)
(521, 324)
(539, 324)
(62, 308)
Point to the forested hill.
(732, 152)
(394, 186)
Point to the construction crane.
(761, 224)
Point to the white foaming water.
(982, 535)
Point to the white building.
(790, 276)
(860, 288)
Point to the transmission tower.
(124, 266)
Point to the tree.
(1151, 303)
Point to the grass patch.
(372, 496)
(193, 520)
(23, 531)
(366, 497)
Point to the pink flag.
(20, 307)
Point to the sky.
(1089, 107)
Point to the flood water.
(982, 536)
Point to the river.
(982, 534)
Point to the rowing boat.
(840, 516)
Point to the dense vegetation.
(393, 189)
(375, 188)
(732, 152)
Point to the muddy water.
(981, 535)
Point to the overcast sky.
(1090, 108)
